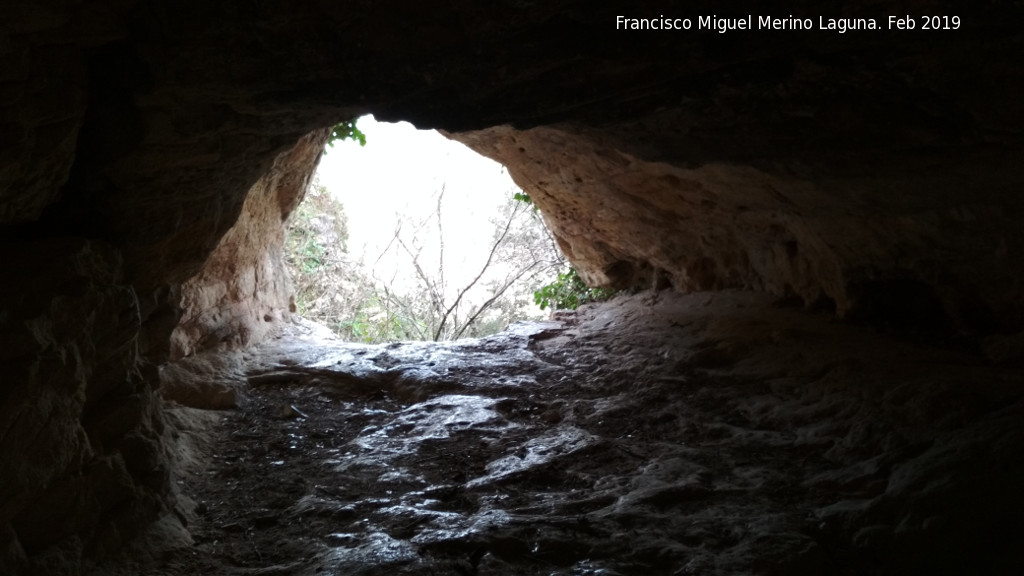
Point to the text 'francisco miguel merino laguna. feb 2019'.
(751, 22)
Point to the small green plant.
(525, 199)
(307, 251)
(346, 130)
(568, 292)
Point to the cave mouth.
(659, 432)
(414, 236)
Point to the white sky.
(400, 170)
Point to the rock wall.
(906, 248)
(243, 290)
(87, 453)
(81, 433)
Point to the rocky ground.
(654, 434)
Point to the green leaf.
(568, 292)
(346, 130)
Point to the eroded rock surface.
(243, 288)
(882, 238)
(656, 434)
(81, 433)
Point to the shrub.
(568, 291)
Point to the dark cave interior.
(818, 368)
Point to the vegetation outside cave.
(456, 261)
(361, 300)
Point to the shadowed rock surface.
(655, 434)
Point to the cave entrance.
(416, 237)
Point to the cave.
(815, 364)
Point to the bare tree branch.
(494, 298)
(487, 264)
(436, 297)
(359, 302)
(440, 238)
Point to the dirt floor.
(655, 434)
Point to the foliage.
(474, 298)
(316, 229)
(315, 248)
(524, 198)
(346, 130)
(568, 292)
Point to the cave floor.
(655, 434)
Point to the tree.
(439, 298)
(330, 287)
(495, 290)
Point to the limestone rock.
(863, 246)
(208, 381)
(243, 289)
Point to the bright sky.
(400, 170)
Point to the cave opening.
(658, 431)
(416, 237)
